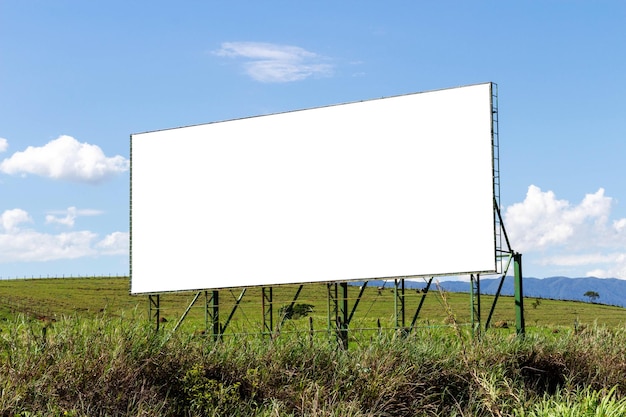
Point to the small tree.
(592, 295)
(296, 311)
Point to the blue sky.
(77, 78)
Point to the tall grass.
(119, 366)
(584, 402)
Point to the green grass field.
(89, 297)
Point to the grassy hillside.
(89, 297)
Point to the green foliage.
(205, 395)
(577, 403)
(592, 295)
(295, 311)
(536, 303)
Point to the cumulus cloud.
(562, 234)
(29, 246)
(116, 243)
(273, 63)
(66, 159)
(542, 220)
(68, 217)
(11, 219)
(4, 145)
(616, 269)
(20, 244)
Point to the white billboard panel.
(394, 187)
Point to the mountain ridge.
(612, 291)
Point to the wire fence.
(62, 276)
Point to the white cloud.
(566, 235)
(29, 246)
(619, 225)
(541, 220)
(19, 244)
(116, 243)
(69, 216)
(272, 63)
(4, 145)
(617, 269)
(11, 219)
(67, 159)
(580, 259)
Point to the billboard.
(386, 188)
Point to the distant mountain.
(612, 290)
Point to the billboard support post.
(207, 312)
(333, 308)
(182, 318)
(497, 294)
(338, 316)
(154, 301)
(510, 256)
(475, 304)
(520, 324)
(419, 307)
(267, 294)
(213, 310)
(399, 303)
(290, 308)
(344, 315)
(232, 311)
(356, 302)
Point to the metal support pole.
(289, 308)
(475, 307)
(495, 301)
(232, 312)
(154, 310)
(187, 311)
(268, 310)
(419, 307)
(399, 303)
(357, 301)
(497, 295)
(206, 312)
(345, 314)
(338, 314)
(332, 307)
(214, 315)
(520, 325)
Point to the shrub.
(296, 311)
(205, 395)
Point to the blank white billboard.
(393, 187)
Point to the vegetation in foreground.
(119, 366)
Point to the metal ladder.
(495, 141)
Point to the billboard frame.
(339, 315)
(402, 229)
